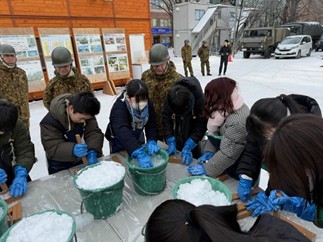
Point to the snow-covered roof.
(197, 29)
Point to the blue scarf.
(139, 118)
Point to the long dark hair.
(295, 152)
(177, 221)
(218, 96)
(266, 113)
(138, 89)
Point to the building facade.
(161, 24)
(213, 23)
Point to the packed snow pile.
(200, 192)
(104, 175)
(49, 226)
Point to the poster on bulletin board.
(50, 38)
(24, 42)
(116, 53)
(90, 53)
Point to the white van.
(294, 46)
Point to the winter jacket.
(158, 86)
(186, 53)
(193, 125)
(224, 52)
(14, 88)
(16, 148)
(120, 132)
(204, 53)
(70, 84)
(58, 132)
(251, 159)
(234, 134)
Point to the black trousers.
(225, 62)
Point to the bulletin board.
(137, 49)
(24, 42)
(90, 53)
(115, 47)
(51, 38)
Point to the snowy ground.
(257, 78)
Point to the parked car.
(319, 44)
(294, 46)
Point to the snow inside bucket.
(3, 212)
(149, 181)
(201, 190)
(101, 187)
(49, 226)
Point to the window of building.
(154, 22)
(199, 14)
(232, 16)
(161, 23)
(157, 4)
(165, 23)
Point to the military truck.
(262, 41)
(314, 29)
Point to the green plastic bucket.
(103, 202)
(216, 184)
(149, 181)
(70, 238)
(3, 221)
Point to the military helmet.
(204, 42)
(7, 50)
(61, 56)
(186, 41)
(158, 55)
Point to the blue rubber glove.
(298, 205)
(196, 170)
(19, 184)
(171, 142)
(186, 154)
(152, 147)
(260, 205)
(3, 176)
(92, 157)
(80, 150)
(244, 189)
(206, 156)
(142, 157)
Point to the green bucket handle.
(11, 220)
(147, 193)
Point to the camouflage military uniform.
(14, 88)
(204, 53)
(187, 58)
(70, 84)
(158, 86)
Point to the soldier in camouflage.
(159, 78)
(204, 53)
(187, 58)
(67, 79)
(14, 82)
